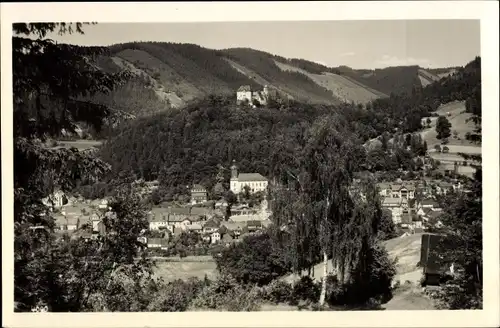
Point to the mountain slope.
(173, 75)
(342, 87)
(397, 80)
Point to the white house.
(156, 223)
(215, 237)
(255, 181)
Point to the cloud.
(387, 61)
(347, 54)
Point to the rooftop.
(251, 177)
(244, 88)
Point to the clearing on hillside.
(343, 88)
(426, 77)
(455, 113)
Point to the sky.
(357, 44)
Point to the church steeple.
(234, 170)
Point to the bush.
(446, 149)
(225, 294)
(306, 290)
(254, 260)
(278, 291)
(176, 296)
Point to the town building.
(199, 194)
(255, 181)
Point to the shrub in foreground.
(225, 294)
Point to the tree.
(461, 246)
(256, 259)
(437, 148)
(443, 127)
(49, 98)
(446, 149)
(428, 121)
(320, 210)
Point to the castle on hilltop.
(245, 94)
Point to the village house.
(57, 199)
(428, 203)
(198, 194)
(215, 237)
(194, 228)
(210, 226)
(155, 223)
(255, 181)
(397, 206)
(434, 270)
(397, 190)
(254, 225)
(158, 243)
(64, 223)
(203, 213)
(234, 227)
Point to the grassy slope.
(458, 119)
(341, 87)
(426, 77)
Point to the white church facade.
(255, 181)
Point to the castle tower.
(234, 171)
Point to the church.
(255, 181)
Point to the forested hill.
(172, 75)
(186, 146)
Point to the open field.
(184, 270)
(343, 88)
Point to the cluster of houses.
(207, 222)
(400, 200)
(80, 217)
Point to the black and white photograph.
(248, 166)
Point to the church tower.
(234, 171)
